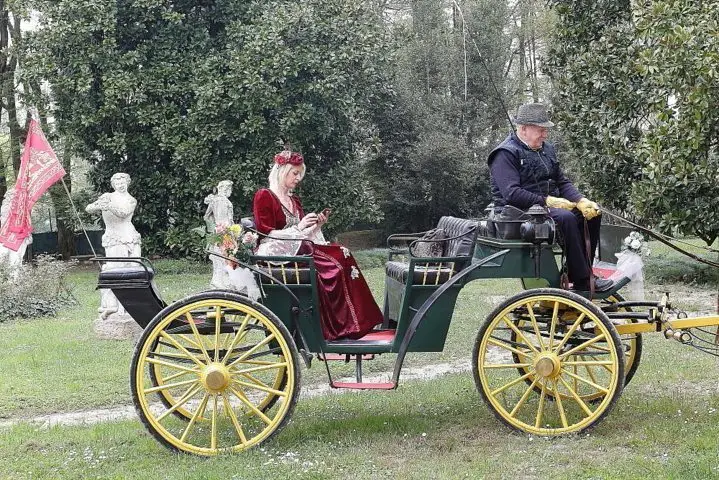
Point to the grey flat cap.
(533, 114)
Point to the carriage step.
(345, 357)
(364, 386)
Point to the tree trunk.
(522, 47)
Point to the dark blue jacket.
(521, 177)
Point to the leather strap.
(588, 252)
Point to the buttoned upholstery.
(461, 235)
(465, 230)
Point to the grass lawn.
(424, 430)
(665, 424)
(57, 364)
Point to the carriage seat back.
(461, 235)
(289, 273)
(466, 233)
(135, 290)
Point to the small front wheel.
(535, 347)
(215, 373)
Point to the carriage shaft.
(677, 324)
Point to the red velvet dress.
(347, 308)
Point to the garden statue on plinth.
(119, 240)
(219, 213)
(10, 260)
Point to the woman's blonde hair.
(279, 172)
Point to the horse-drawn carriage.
(218, 372)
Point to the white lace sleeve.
(279, 247)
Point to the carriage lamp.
(538, 229)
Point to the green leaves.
(639, 102)
(184, 94)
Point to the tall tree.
(183, 94)
(11, 16)
(637, 95)
(447, 114)
(678, 57)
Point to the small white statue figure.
(9, 259)
(219, 212)
(120, 238)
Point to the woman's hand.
(322, 218)
(308, 221)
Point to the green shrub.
(180, 266)
(677, 269)
(39, 290)
(375, 257)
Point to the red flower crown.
(287, 156)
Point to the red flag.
(39, 169)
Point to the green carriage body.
(222, 342)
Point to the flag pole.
(35, 114)
(77, 214)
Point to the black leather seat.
(126, 274)
(135, 290)
(461, 235)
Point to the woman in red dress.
(347, 308)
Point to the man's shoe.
(600, 285)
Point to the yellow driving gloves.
(588, 208)
(556, 202)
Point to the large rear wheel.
(224, 369)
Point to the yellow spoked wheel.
(162, 374)
(631, 345)
(215, 373)
(540, 345)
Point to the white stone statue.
(219, 211)
(119, 240)
(10, 259)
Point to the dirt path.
(115, 414)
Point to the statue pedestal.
(117, 327)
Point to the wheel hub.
(547, 365)
(216, 377)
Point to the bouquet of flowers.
(630, 265)
(233, 241)
(237, 243)
(635, 243)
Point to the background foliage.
(184, 94)
(637, 96)
(39, 290)
(395, 103)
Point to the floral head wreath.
(288, 156)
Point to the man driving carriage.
(524, 171)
